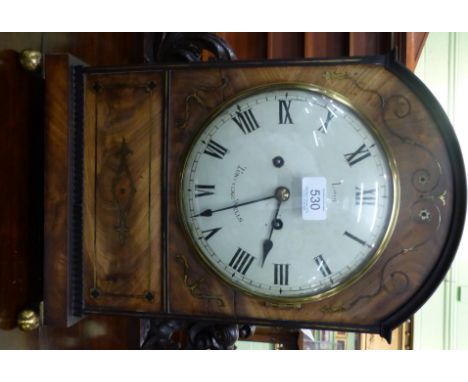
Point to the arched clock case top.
(131, 132)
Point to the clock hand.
(210, 212)
(281, 194)
(267, 243)
(267, 246)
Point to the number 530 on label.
(314, 192)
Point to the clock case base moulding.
(127, 130)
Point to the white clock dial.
(287, 193)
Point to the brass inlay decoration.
(97, 87)
(149, 296)
(443, 198)
(332, 309)
(123, 188)
(197, 97)
(424, 210)
(194, 287)
(329, 75)
(424, 215)
(123, 191)
(95, 292)
(396, 283)
(282, 306)
(150, 86)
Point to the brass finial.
(28, 320)
(30, 59)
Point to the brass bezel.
(395, 182)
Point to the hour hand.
(281, 195)
(267, 246)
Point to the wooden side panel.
(122, 192)
(57, 303)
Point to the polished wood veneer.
(120, 129)
(21, 103)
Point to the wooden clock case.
(116, 139)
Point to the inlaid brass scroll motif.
(123, 191)
(195, 286)
(425, 210)
(198, 97)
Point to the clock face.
(288, 194)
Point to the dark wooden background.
(21, 157)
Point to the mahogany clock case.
(129, 132)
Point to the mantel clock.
(314, 193)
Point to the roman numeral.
(215, 149)
(284, 116)
(203, 190)
(322, 266)
(355, 238)
(246, 121)
(324, 127)
(210, 233)
(365, 197)
(281, 274)
(361, 153)
(241, 261)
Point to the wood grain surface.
(413, 139)
(415, 144)
(20, 100)
(122, 186)
(57, 246)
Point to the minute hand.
(209, 212)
